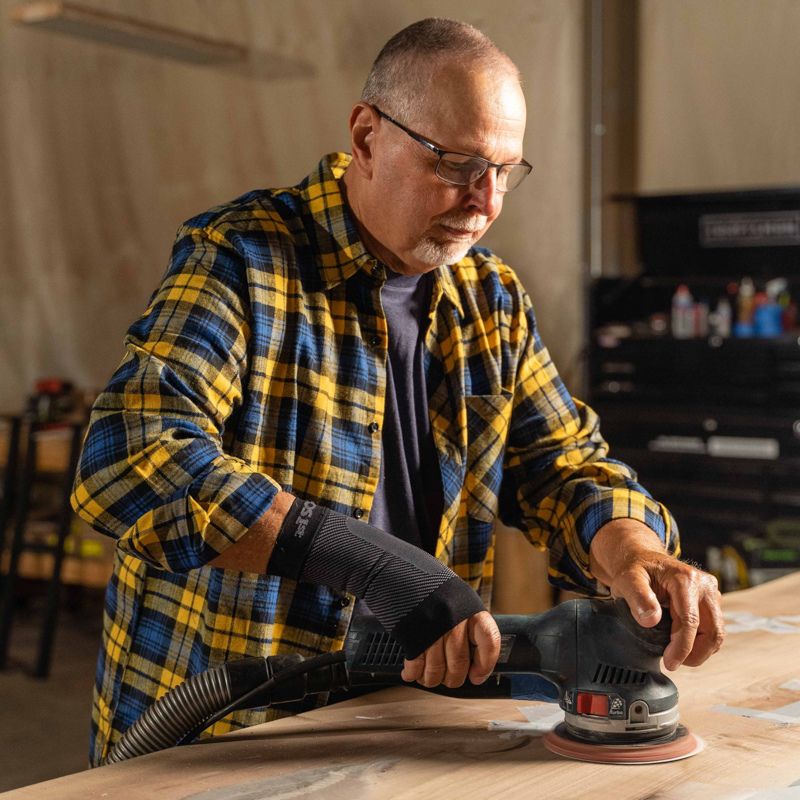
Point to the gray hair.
(396, 81)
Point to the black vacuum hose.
(167, 720)
(179, 716)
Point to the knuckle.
(711, 583)
(690, 618)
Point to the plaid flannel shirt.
(259, 365)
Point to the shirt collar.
(340, 249)
(343, 254)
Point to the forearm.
(560, 485)
(414, 596)
(251, 553)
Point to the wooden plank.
(93, 573)
(102, 26)
(52, 448)
(405, 743)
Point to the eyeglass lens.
(463, 170)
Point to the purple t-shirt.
(408, 501)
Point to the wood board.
(406, 743)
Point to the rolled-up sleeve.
(153, 472)
(559, 485)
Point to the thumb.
(638, 593)
(485, 636)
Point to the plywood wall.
(719, 94)
(103, 152)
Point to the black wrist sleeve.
(413, 595)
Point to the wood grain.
(405, 743)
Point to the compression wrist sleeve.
(414, 596)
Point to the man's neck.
(349, 189)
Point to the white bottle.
(682, 313)
(722, 316)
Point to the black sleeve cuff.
(453, 602)
(297, 534)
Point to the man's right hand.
(470, 649)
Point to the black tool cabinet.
(712, 423)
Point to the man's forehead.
(471, 109)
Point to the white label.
(677, 444)
(755, 229)
(743, 447)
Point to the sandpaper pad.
(682, 744)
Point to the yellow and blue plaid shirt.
(259, 365)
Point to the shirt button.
(358, 513)
(374, 427)
(374, 340)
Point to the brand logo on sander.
(302, 521)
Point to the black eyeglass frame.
(440, 153)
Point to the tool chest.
(710, 422)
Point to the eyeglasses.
(462, 169)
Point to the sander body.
(604, 666)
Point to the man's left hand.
(630, 559)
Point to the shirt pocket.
(488, 417)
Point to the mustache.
(463, 222)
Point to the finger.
(413, 668)
(485, 635)
(636, 589)
(684, 607)
(434, 665)
(711, 630)
(457, 657)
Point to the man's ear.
(362, 134)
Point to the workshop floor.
(45, 723)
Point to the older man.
(340, 351)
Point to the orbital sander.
(604, 667)
(618, 706)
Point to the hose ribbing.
(167, 720)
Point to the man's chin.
(434, 253)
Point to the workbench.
(406, 743)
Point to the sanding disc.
(682, 744)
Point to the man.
(339, 351)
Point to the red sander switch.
(594, 704)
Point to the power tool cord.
(302, 668)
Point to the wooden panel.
(112, 149)
(125, 31)
(88, 559)
(405, 743)
(88, 554)
(520, 575)
(52, 448)
(716, 80)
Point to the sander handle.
(544, 644)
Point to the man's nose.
(482, 194)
